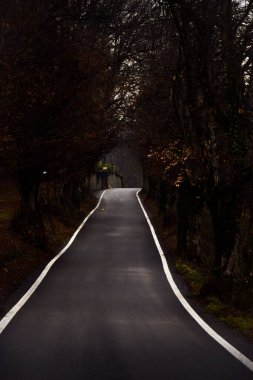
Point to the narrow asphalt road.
(105, 311)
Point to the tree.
(204, 116)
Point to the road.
(105, 311)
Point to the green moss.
(215, 306)
(193, 276)
(242, 323)
(229, 315)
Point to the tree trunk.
(163, 196)
(223, 207)
(29, 187)
(28, 222)
(152, 186)
(190, 205)
(235, 264)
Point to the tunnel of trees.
(172, 78)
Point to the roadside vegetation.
(21, 254)
(229, 299)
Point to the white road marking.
(237, 354)
(11, 314)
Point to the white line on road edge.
(237, 354)
(10, 315)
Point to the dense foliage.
(194, 117)
(62, 63)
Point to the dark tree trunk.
(163, 196)
(223, 206)
(72, 194)
(104, 180)
(29, 178)
(190, 205)
(28, 222)
(152, 186)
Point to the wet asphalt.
(105, 311)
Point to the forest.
(173, 79)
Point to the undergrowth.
(215, 295)
(194, 277)
(19, 256)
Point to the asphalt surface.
(105, 311)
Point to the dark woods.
(175, 75)
(194, 113)
(59, 69)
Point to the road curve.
(105, 311)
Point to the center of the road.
(225, 344)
